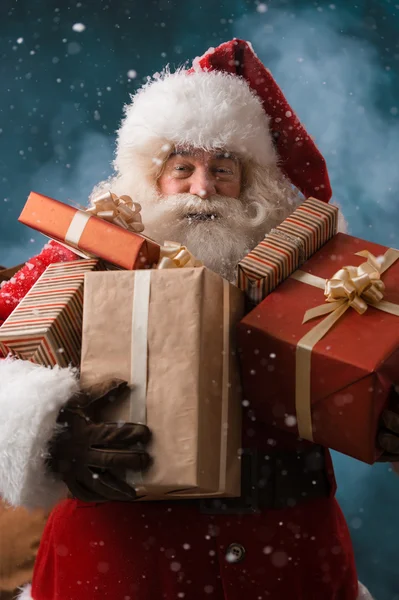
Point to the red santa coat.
(159, 551)
(167, 551)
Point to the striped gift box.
(285, 248)
(313, 223)
(46, 326)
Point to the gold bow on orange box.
(356, 287)
(122, 211)
(119, 210)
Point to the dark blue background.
(62, 93)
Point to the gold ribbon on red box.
(350, 287)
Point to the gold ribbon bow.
(356, 287)
(174, 256)
(119, 210)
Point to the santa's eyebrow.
(182, 153)
(220, 154)
(229, 155)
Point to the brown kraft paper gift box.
(168, 333)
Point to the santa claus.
(216, 158)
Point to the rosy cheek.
(167, 184)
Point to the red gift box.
(331, 391)
(88, 233)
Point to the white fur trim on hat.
(31, 397)
(210, 110)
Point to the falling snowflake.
(290, 421)
(74, 48)
(356, 523)
(262, 8)
(279, 559)
(132, 74)
(103, 567)
(79, 27)
(20, 40)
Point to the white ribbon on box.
(139, 354)
(118, 210)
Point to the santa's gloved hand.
(388, 434)
(90, 456)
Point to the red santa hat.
(227, 100)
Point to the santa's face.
(212, 203)
(202, 174)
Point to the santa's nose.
(202, 185)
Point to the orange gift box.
(329, 378)
(89, 233)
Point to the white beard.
(220, 243)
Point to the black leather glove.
(91, 456)
(388, 434)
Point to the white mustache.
(185, 205)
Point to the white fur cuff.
(25, 593)
(364, 594)
(31, 397)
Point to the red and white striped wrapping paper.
(46, 327)
(285, 248)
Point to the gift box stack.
(46, 326)
(320, 351)
(152, 327)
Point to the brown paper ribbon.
(119, 210)
(356, 287)
(174, 256)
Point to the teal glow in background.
(67, 70)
